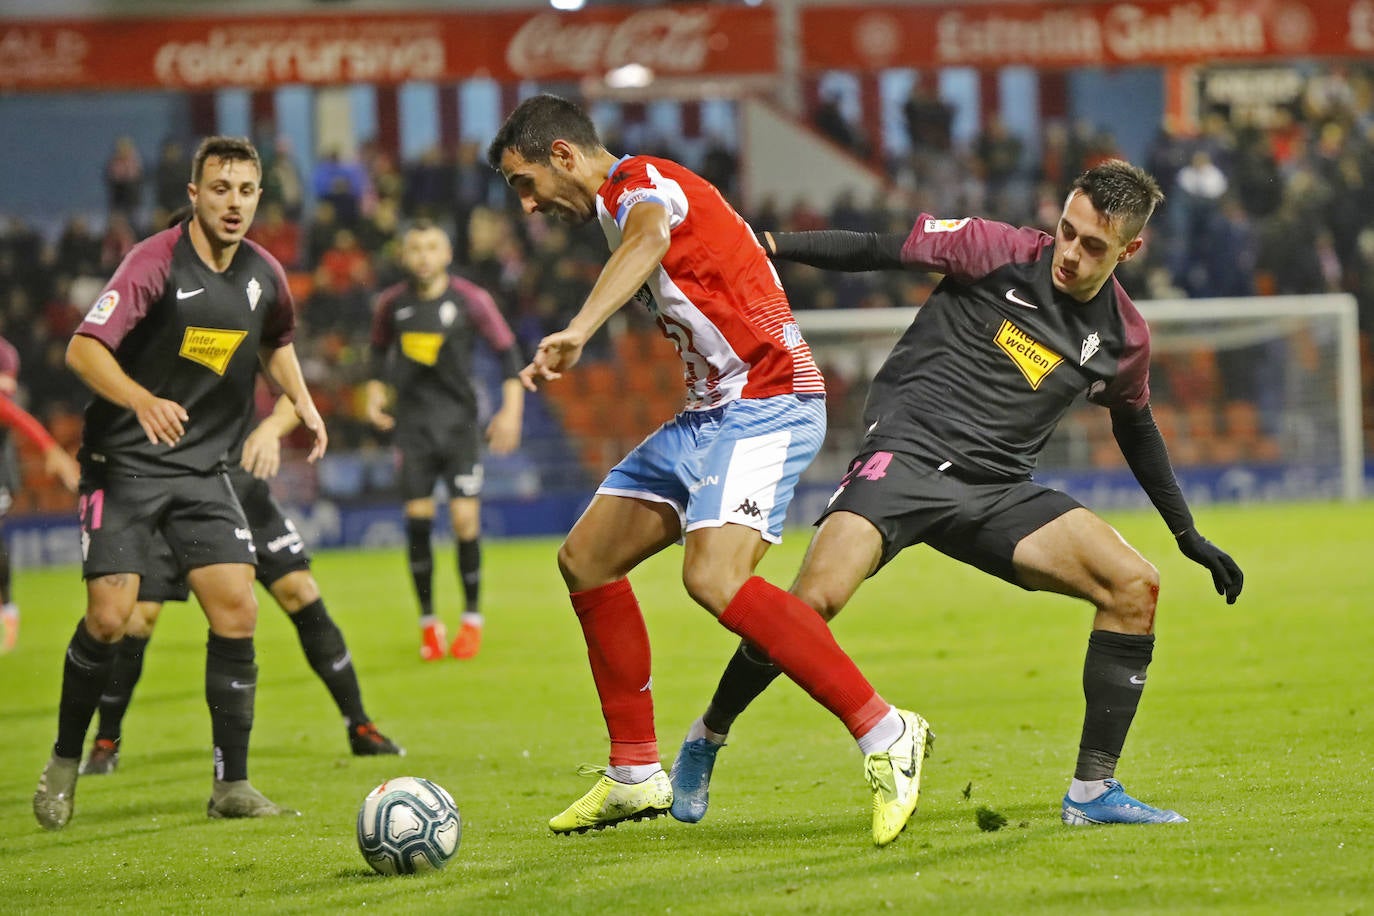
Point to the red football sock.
(797, 640)
(618, 649)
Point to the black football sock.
(421, 555)
(84, 676)
(119, 692)
(231, 682)
(748, 674)
(470, 571)
(4, 574)
(1113, 678)
(327, 653)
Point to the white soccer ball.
(408, 825)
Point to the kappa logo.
(1091, 344)
(1013, 298)
(188, 293)
(749, 508)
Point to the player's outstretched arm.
(643, 243)
(56, 461)
(836, 249)
(284, 368)
(92, 362)
(1143, 446)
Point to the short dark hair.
(1127, 194)
(225, 149)
(538, 121)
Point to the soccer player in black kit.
(170, 350)
(1021, 325)
(431, 320)
(283, 568)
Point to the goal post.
(1258, 399)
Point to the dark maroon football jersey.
(997, 355)
(190, 335)
(433, 340)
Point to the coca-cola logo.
(663, 40)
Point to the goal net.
(1258, 399)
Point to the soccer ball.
(408, 825)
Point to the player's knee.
(711, 587)
(1135, 596)
(577, 567)
(106, 622)
(823, 601)
(295, 590)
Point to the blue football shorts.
(737, 463)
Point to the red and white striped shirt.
(715, 294)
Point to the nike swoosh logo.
(405, 312)
(240, 685)
(342, 663)
(909, 771)
(1017, 300)
(183, 294)
(1137, 679)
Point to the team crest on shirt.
(211, 347)
(104, 307)
(254, 291)
(945, 225)
(1091, 344)
(1034, 359)
(448, 313)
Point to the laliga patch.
(945, 225)
(211, 347)
(1034, 359)
(104, 307)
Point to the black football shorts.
(449, 455)
(197, 514)
(280, 549)
(978, 523)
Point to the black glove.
(1226, 575)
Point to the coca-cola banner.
(1068, 34)
(261, 51)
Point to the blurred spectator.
(321, 232)
(279, 235)
(343, 184)
(928, 119)
(999, 150)
(281, 180)
(830, 120)
(428, 185)
(119, 237)
(343, 279)
(78, 249)
(124, 177)
(172, 175)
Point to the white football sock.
(1082, 791)
(884, 734)
(472, 618)
(698, 729)
(634, 773)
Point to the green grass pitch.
(1257, 725)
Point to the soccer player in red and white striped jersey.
(717, 476)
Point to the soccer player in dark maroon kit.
(431, 321)
(170, 351)
(1022, 324)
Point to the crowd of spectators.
(1252, 209)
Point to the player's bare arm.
(284, 368)
(644, 243)
(162, 420)
(377, 399)
(262, 448)
(503, 432)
